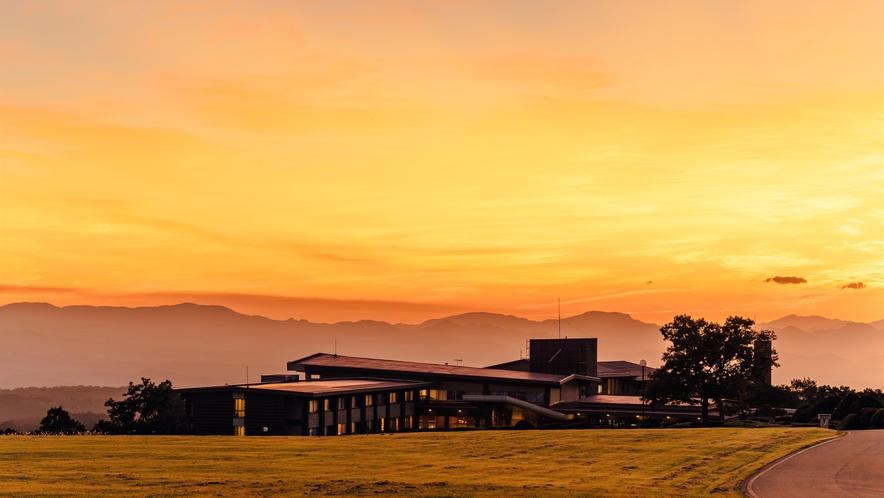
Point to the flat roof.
(609, 369)
(433, 369)
(315, 387)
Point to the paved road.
(852, 465)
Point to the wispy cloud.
(854, 285)
(787, 280)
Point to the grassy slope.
(492, 463)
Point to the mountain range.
(190, 344)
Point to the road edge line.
(748, 482)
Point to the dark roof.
(520, 365)
(430, 369)
(610, 369)
(315, 387)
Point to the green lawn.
(489, 463)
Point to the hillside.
(23, 408)
(193, 344)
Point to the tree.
(59, 421)
(707, 361)
(147, 408)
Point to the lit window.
(393, 398)
(342, 429)
(354, 402)
(326, 404)
(342, 403)
(314, 405)
(239, 407)
(239, 431)
(369, 400)
(409, 395)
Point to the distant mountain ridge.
(194, 344)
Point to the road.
(852, 465)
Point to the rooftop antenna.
(336, 347)
(247, 376)
(458, 361)
(560, 318)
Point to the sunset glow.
(402, 161)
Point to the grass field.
(488, 463)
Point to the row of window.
(344, 402)
(369, 426)
(536, 397)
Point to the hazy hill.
(23, 408)
(190, 344)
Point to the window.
(239, 431)
(354, 402)
(314, 405)
(380, 399)
(239, 407)
(369, 400)
(408, 422)
(393, 398)
(326, 405)
(342, 403)
(313, 431)
(409, 395)
(342, 429)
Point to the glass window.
(354, 402)
(369, 400)
(342, 429)
(239, 431)
(326, 404)
(409, 395)
(342, 403)
(380, 399)
(394, 398)
(314, 405)
(239, 408)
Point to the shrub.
(522, 425)
(866, 401)
(878, 419)
(866, 414)
(802, 414)
(851, 422)
(553, 426)
(827, 405)
(844, 409)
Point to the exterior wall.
(564, 356)
(211, 413)
(265, 410)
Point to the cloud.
(787, 280)
(854, 285)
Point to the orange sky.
(401, 161)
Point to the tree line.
(728, 365)
(146, 408)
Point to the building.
(328, 394)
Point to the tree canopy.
(147, 408)
(59, 421)
(709, 361)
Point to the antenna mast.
(560, 318)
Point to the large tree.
(59, 421)
(709, 361)
(147, 408)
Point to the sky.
(399, 161)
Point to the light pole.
(643, 363)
